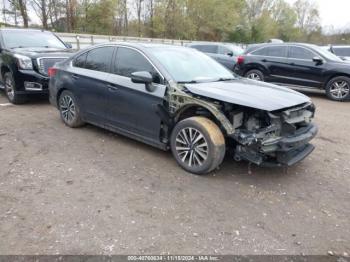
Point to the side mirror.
(317, 60)
(230, 53)
(68, 45)
(143, 77)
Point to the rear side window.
(213, 49)
(272, 51)
(300, 53)
(224, 50)
(261, 51)
(99, 59)
(277, 51)
(80, 61)
(129, 61)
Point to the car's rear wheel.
(338, 88)
(11, 91)
(255, 74)
(198, 145)
(69, 109)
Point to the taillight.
(240, 60)
(52, 71)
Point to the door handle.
(112, 88)
(292, 64)
(75, 77)
(264, 60)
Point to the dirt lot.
(88, 191)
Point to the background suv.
(342, 51)
(25, 56)
(225, 54)
(301, 65)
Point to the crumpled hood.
(250, 93)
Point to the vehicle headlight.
(24, 62)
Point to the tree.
(308, 17)
(41, 9)
(20, 5)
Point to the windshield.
(22, 39)
(327, 54)
(189, 65)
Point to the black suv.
(25, 56)
(299, 65)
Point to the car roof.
(211, 43)
(254, 47)
(139, 45)
(340, 46)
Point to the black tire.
(69, 109)
(255, 74)
(11, 91)
(189, 150)
(338, 88)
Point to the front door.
(305, 72)
(130, 106)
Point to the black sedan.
(299, 65)
(179, 98)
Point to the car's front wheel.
(11, 91)
(255, 74)
(69, 109)
(198, 145)
(338, 88)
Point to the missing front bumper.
(286, 151)
(291, 157)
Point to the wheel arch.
(330, 77)
(4, 70)
(256, 66)
(194, 109)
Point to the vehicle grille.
(45, 63)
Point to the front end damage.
(279, 138)
(267, 138)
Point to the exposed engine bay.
(271, 138)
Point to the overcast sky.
(334, 13)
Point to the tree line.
(243, 21)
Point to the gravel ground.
(88, 191)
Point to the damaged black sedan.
(180, 99)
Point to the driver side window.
(129, 61)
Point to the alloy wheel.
(10, 91)
(339, 89)
(254, 76)
(191, 147)
(67, 107)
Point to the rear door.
(90, 78)
(130, 106)
(304, 71)
(274, 60)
